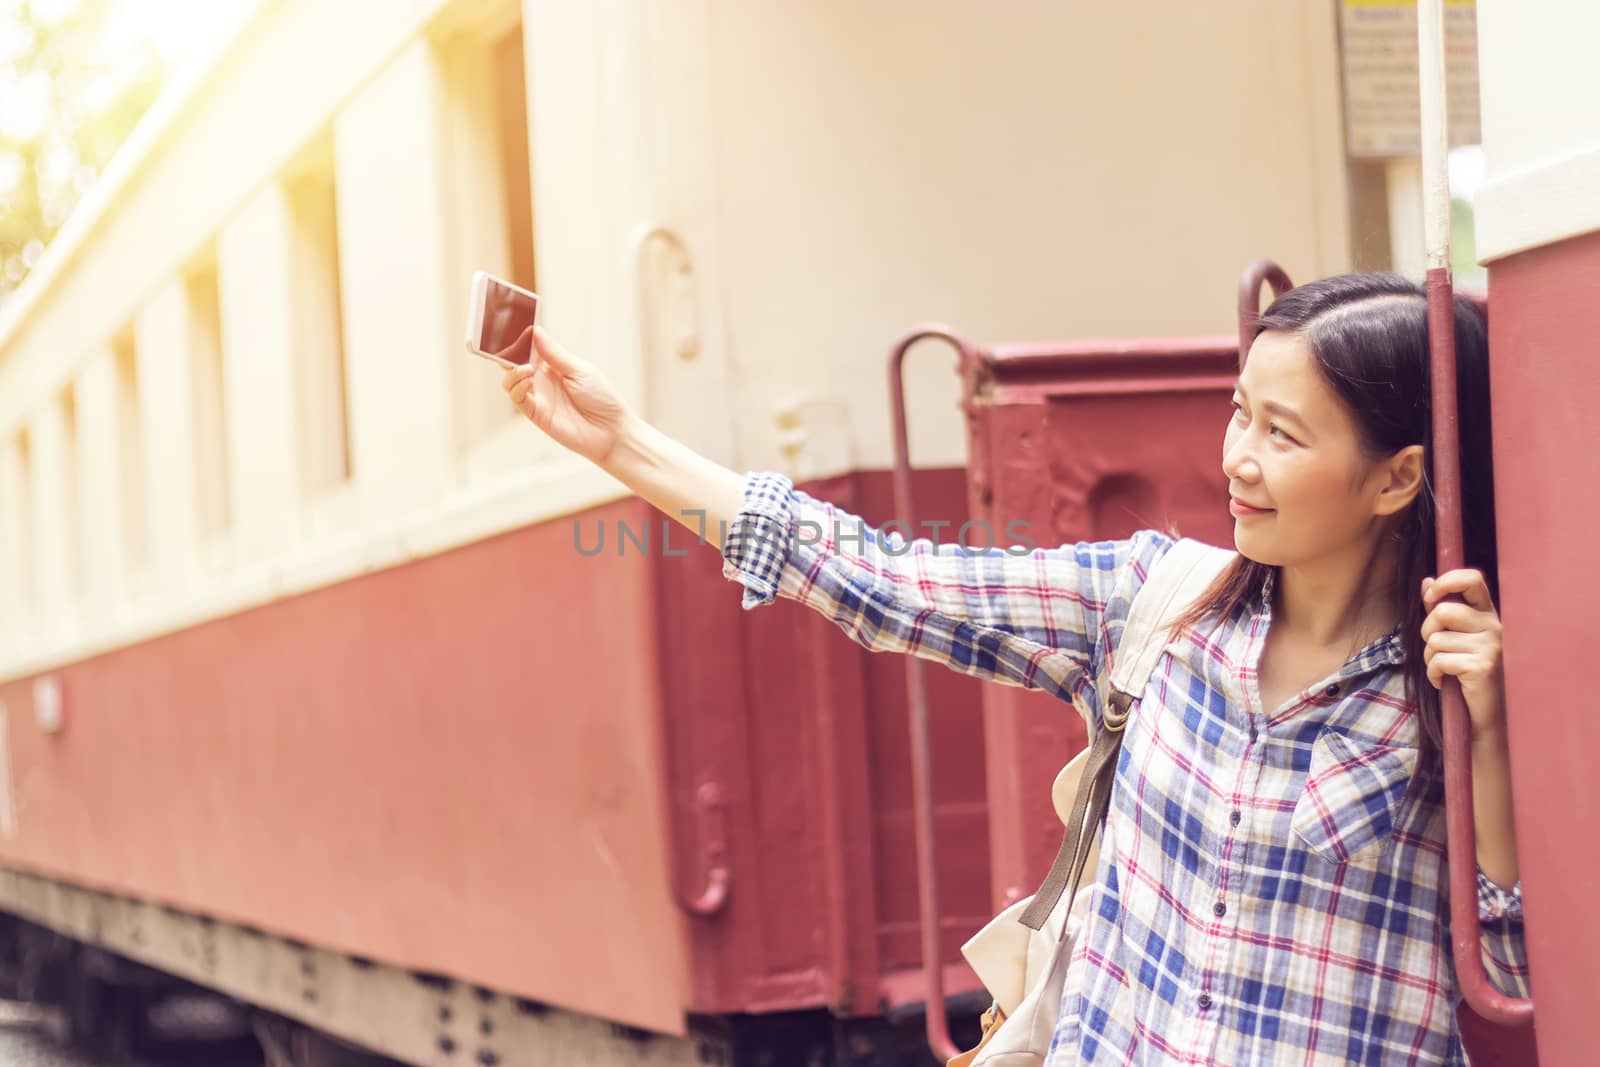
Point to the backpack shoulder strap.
(1174, 583)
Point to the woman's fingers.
(1461, 638)
(1474, 613)
(550, 351)
(528, 385)
(520, 350)
(1465, 581)
(1474, 663)
(1452, 641)
(1466, 667)
(1459, 617)
(1435, 670)
(515, 374)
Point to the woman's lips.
(1243, 510)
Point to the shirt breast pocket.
(1353, 795)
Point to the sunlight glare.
(50, 12)
(12, 167)
(1466, 170)
(16, 37)
(181, 30)
(24, 106)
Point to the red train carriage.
(774, 754)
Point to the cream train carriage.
(307, 695)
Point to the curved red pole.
(1460, 831)
(938, 1024)
(1250, 282)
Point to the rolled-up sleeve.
(1014, 614)
(760, 539)
(1501, 936)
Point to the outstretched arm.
(1018, 615)
(1031, 617)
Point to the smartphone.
(497, 315)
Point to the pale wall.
(1539, 84)
(835, 173)
(1043, 169)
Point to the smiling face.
(1294, 449)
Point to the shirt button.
(1219, 909)
(1204, 1003)
(1253, 735)
(1235, 817)
(1332, 690)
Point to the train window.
(207, 400)
(511, 93)
(490, 191)
(16, 512)
(72, 491)
(129, 434)
(321, 396)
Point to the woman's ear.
(1399, 480)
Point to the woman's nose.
(1238, 463)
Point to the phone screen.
(506, 313)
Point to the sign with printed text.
(1378, 47)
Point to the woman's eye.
(1280, 433)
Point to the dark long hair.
(1369, 335)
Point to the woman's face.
(1292, 448)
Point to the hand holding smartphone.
(500, 320)
(562, 394)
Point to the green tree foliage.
(69, 96)
(1464, 245)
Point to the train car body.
(328, 683)
(1539, 234)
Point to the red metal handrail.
(937, 1022)
(1460, 827)
(1460, 831)
(1250, 282)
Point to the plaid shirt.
(1272, 886)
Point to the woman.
(1272, 886)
